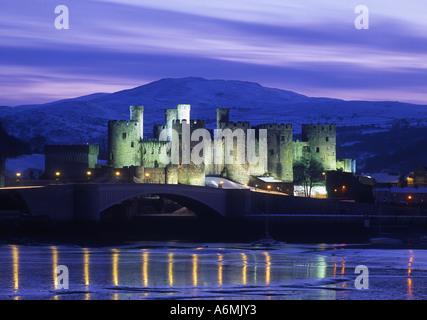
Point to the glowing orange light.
(18, 174)
(268, 187)
(117, 173)
(57, 173)
(88, 173)
(409, 197)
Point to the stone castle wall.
(322, 142)
(123, 143)
(128, 148)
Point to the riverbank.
(190, 229)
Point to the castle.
(127, 148)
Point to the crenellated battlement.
(122, 123)
(197, 123)
(275, 126)
(237, 125)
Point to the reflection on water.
(145, 268)
(409, 280)
(123, 273)
(15, 255)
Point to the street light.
(117, 173)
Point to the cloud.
(289, 44)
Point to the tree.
(307, 173)
(10, 147)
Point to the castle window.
(317, 149)
(271, 152)
(132, 144)
(124, 135)
(327, 138)
(282, 138)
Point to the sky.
(308, 46)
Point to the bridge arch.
(199, 207)
(204, 203)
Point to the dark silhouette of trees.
(307, 173)
(10, 147)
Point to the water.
(176, 270)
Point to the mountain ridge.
(84, 119)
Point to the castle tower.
(279, 148)
(322, 143)
(123, 146)
(183, 112)
(222, 117)
(137, 114)
(170, 116)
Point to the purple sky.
(307, 46)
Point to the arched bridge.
(87, 201)
(70, 202)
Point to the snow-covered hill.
(84, 119)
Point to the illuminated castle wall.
(128, 148)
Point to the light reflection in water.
(220, 266)
(321, 267)
(170, 269)
(86, 266)
(54, 265)
(195, 261)
(145, 268)
(15, 257)
(244, 269)
(267, 267)
(86, 271)
(150, 268)
(115, 269)
(409, 280)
